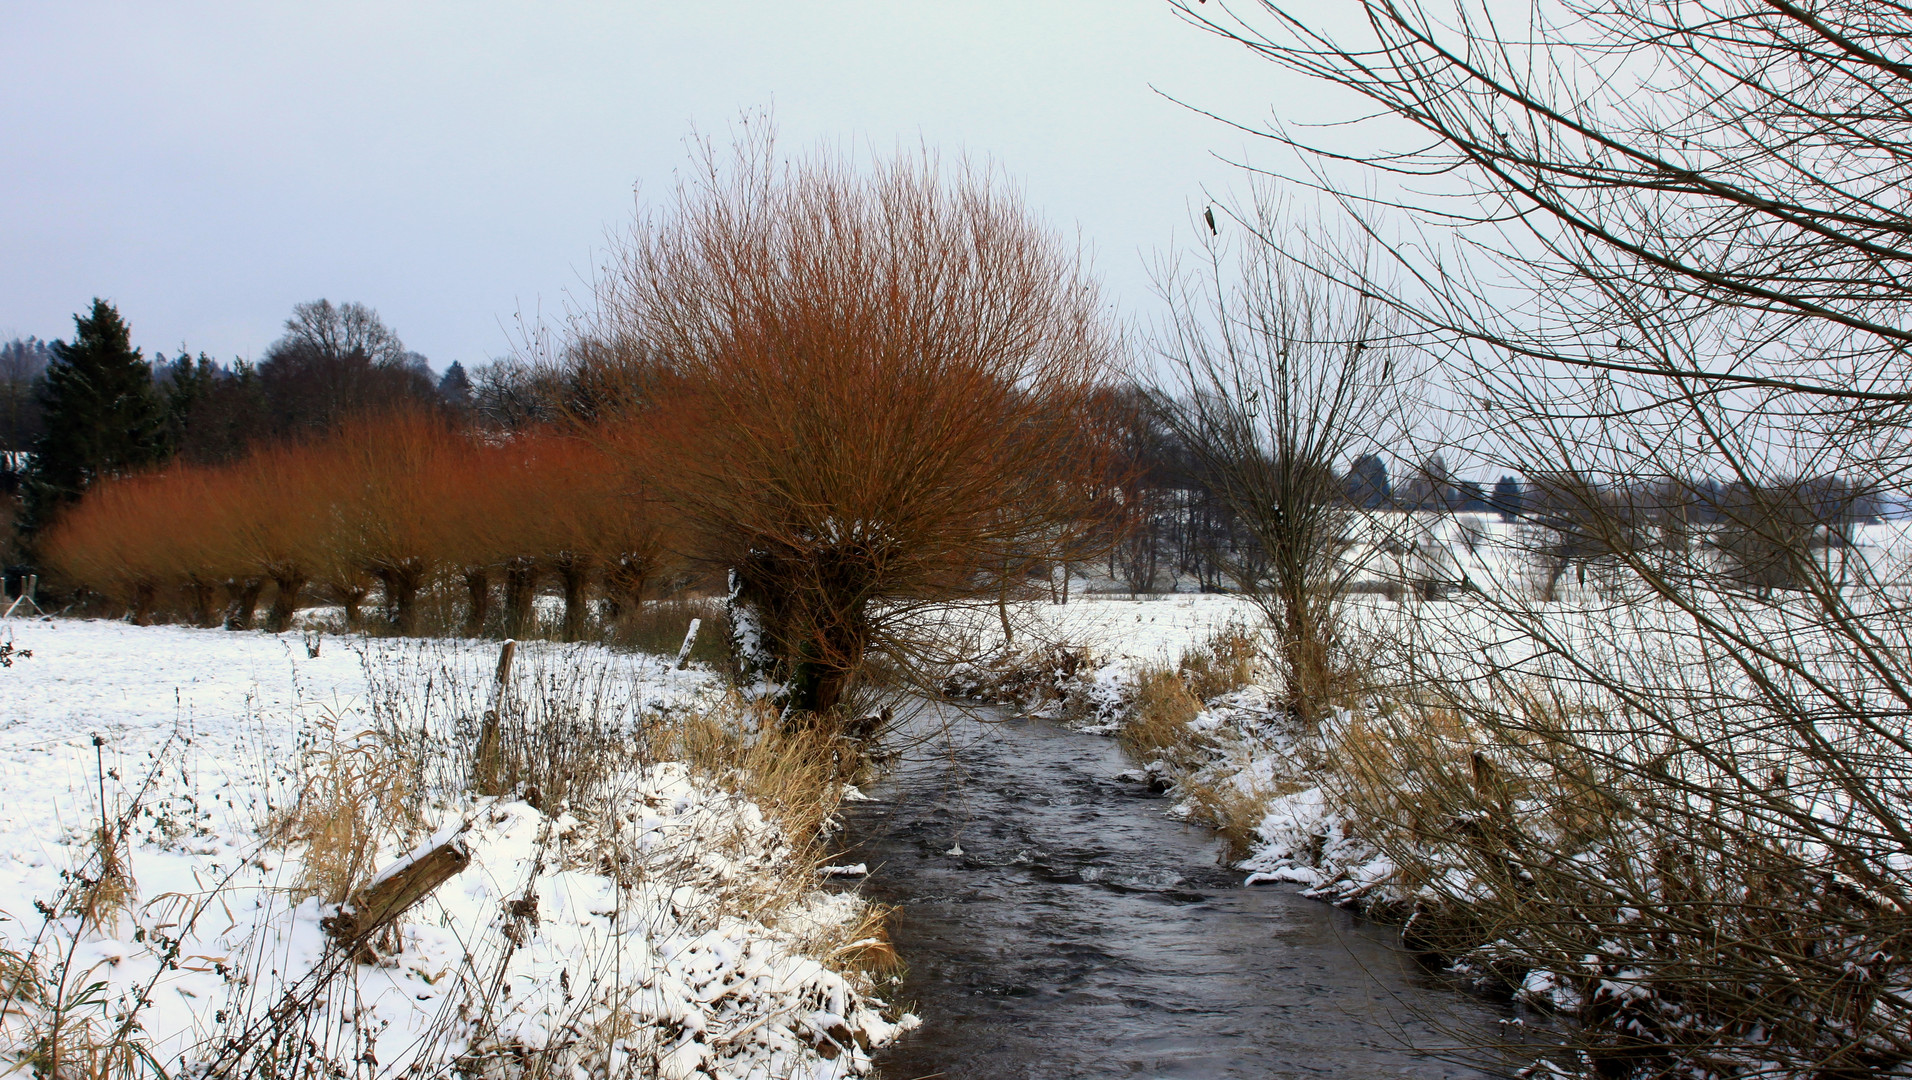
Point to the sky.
(458, 166)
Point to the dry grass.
(76, 1039)
(355, 795)
(1156, 732)
(868, 948)
(58, 1019)
(1226, 662)
(107, 888)
(658, 627)
(796, 776)
(577, 736)
(1165, 699)
(1161, 706)
(1216, 797)
(1677, 923)
(1425, 779)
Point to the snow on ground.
(1147, 629)
(650, 929)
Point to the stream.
(1080, 932)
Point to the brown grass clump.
(866, 944)
(1218, 800)
(1226, 662)
(1156, 732)
(1166, 699)
(794, 774)
(1160, 709)
(68, 1033)
(106, 885)
(356, 794)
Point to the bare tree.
(1274, 377)
(336, 361)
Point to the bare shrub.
(556, 732)
(1665, 187)
(115, 540)
(1560, 850)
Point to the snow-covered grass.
(645, 907)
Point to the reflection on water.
(1080, 932)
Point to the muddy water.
(1080, 932)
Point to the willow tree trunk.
(477, 600)
(402, 581)
(145, 594)
(574, 576)
(624, 590)
(286, 587)
(200, 597)
(242, 602)
(521, 595)
(352, 599)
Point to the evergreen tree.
(1367, 482)
(21, 362)
(1509, 498)
(184, 385)
(100, 411)
(218, 412)
(455, 387)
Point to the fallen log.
(394, 890)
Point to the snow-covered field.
(658, 924)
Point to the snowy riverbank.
(658, 920)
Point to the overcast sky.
(205, 166)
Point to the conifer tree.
(101, 412)
(1509, 498)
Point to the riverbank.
(1570, 804)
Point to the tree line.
(855, 396)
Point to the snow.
(650, 929)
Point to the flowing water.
(1079, 932)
